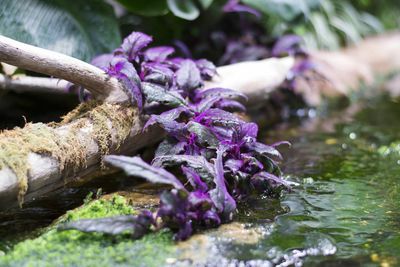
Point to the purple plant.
(235, 6)
(212, 155)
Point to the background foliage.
(87, 28)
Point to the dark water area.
(343, 209)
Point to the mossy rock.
(74, 248)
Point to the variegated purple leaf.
(263, 149)
(135, 166)
(133, 45)
(102, 61)
(170, 147)
(233, 164)
(159, 53)
(188, 76)
(156, 93)
(124, 71)
(230, 105)
(222, 92)
(272, 179)
(206, 104)
(198, 163)
(199, 201)
(223, 201)
(170, 115)
(157, 73)
(218, 117)
(194, 179)
(138, 225)
(207, 69)
(204, 135)
(281, 143)
(211, 218)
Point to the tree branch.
(23, 84)
(61, 66)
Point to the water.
(343, 211)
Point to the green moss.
(73, 248)
(111, 122)
(16, 144)
(107, 119)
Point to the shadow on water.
(343, 211)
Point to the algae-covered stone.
(74, 248)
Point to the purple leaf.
(156, 93)
(170, 115)
(263, 149)
(234, 164)
(207, 68)
(211, 218)
(133, 45)
(157, 73)
(198, 163)
(199, 201)
(188, 76)
(135, 166)
(102, 61)
(159, 53)
(219, 117)
(281, 143)
(223, 201)
(204, 136)
(124, 71)
(194, 179)
(287, 45)
(139, 225)
(222, 92)
(272, 179)
(230, 105)
(169, 147)
(234, 6)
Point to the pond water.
(343, 209)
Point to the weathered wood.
(61, 66)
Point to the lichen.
(73, 248)
(111, 125)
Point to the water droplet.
(353, 136)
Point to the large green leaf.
(146, 7)
(81, 29)
(188, 9)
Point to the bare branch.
(33, 84)
(61, 66)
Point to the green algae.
(74, 248)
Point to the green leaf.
(146, 7)
(185, 9)
(81, 29)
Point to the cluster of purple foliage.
(213, 153)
